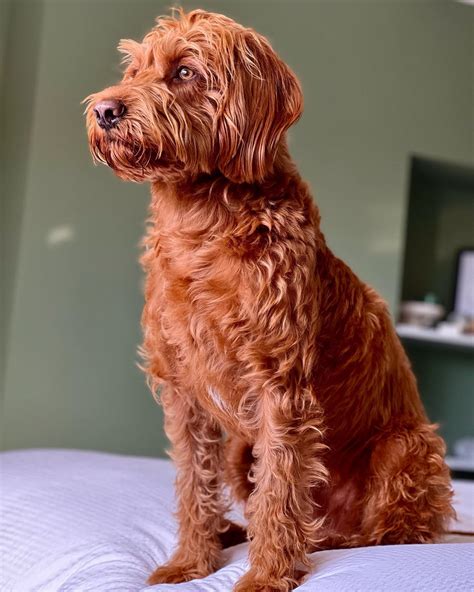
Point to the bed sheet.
(77, 521)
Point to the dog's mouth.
(131, 160)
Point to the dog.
(280, 373)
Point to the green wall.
(20, 27)
(4, 20)
(71, 378)
(381, 80)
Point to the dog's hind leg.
(408, 497)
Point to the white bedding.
(76, 521)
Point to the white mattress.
(76, 521)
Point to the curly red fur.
(282, 372)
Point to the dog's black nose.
(109, 113)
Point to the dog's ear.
(263, 99)
(130, 49)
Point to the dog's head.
(200, 94)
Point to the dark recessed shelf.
(439, 224)
(440, 214)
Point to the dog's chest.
(196, 291)
(218, 404)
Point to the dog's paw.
(250, 583)
(253, 586)
(175, 573)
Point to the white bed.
(76, 521)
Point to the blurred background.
(386, 142)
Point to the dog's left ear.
(262, 101)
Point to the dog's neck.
(207, 206)
(282, 174)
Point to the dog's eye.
(184, 73)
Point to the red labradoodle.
(282, 374)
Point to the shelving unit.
(435, 337)
(439, 224)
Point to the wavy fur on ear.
(263, 100)
(283, 375)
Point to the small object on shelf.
(468, 328)
(421, 314)
(451, 328)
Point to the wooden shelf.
(433, 336)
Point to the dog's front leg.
(283, 517)
(196, 450)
